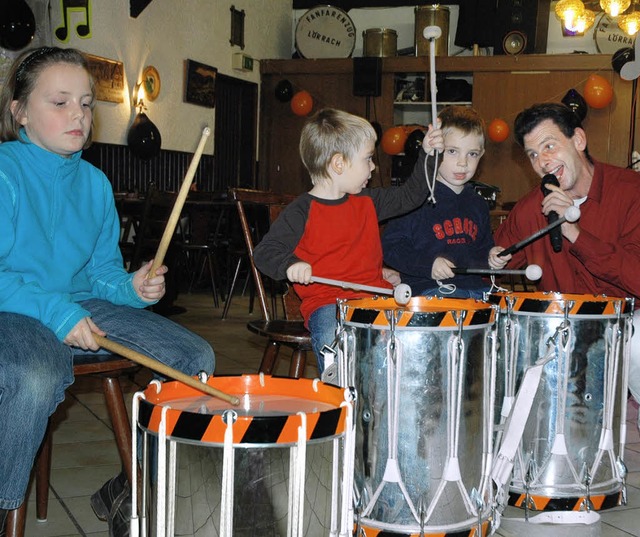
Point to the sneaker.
(103, 500)
(120, 515)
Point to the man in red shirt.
(600, 252)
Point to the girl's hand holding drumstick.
(150, 287)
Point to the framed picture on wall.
(200, 84)
(108, 76)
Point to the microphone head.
(432, 32)
(533, 272)
(572, 213)
(550, 179)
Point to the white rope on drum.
(347, 517)
(392, 472)
(298, 460)
(228, 469)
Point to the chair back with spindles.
(274, 204)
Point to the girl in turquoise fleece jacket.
(62, 277)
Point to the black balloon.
(17, 24)
(144, 138)
(284, 91)
(622, 56)
(576, 102)
(414, 143)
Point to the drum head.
(270, 410)
(325, 32)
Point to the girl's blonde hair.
(22, 79)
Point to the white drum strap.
(392, 470)
(228, 468)
(297, 465)
(514, 427)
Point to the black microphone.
(555, 235)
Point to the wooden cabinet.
(502, 87)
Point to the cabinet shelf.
(413, 104)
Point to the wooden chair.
(109, 367)
(290, 331)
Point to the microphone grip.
(555, 235)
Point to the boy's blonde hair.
(330, 132)
(463, 118)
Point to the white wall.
(165, 34)
(168, 32)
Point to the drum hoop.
(419, 313)
(251, 430)
(553, 304)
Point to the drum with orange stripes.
(279, 463)
(571, 453)
(423, 376)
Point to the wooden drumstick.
(163, 369)
(571, 215)
(177, 208)
(401, 293)
(532, 272)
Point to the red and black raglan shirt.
(340, 239)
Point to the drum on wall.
(325, 32)
(423, 375)
(433, 15)
(571, 453)
(379, 43)
(279, 463)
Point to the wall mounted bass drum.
(325, 32)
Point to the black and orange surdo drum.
(275, 464)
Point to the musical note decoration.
(631, 69)
(137, 6)
(74, 6)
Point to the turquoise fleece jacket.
(59, 232)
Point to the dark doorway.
(234, 149)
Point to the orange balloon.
(598, 91)
(393, 140)
(498, 130)
(302, 103)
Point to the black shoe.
(120, 515)
(103, 500)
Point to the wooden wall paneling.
(505, 94)
(502, 87)
(280, 167)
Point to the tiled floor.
(84, 453)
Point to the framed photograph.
(237, 27)
(108, 76)
(200, 84)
